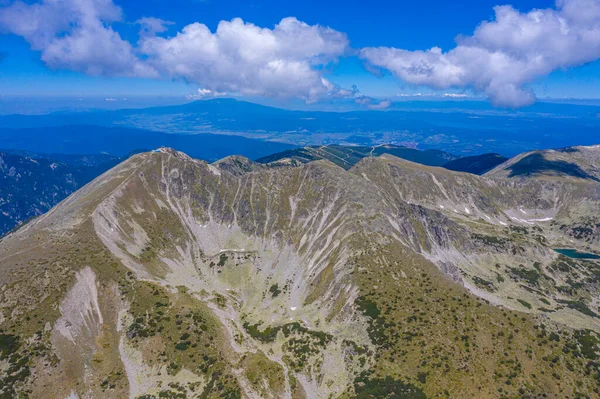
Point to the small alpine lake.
(575, 254)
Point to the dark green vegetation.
(482, 283)
(387, 387)
(477, 164)
(579, 306)
(17, 360)
(524, 303)
(274, 290)
(531, 276)
(270, 333)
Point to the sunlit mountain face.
(266, 199)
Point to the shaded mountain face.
(578, 163)
(538, 164)
(171, 277)
(478, 164)
(31, 185)
(348, 156)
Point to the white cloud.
(74, 35)
(504, 55)
(243, 58)
(205, 93)
(239, 57)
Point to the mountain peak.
(237, 165)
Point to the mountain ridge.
(307, 281)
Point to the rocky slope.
(171, 277)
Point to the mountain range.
(459, 127)
(35, 182)
(172, 277)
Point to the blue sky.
(31, 65)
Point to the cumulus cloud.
(74, 35)
(239, 57)
(243, 58)
(503, 55)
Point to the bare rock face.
(171, 277)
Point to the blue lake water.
(575, 254)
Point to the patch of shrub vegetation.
(368, 307)
(385, 388)
(182, 346)
(490, 240)
(546, 310)
(270, 333)
(524, 303)
(9, 344)
(531, 276)
(274, 290)
(16, 369)
(222, 259)
(376, 329)
(544, 301)
(588, 343)
(267, 335)
(580, 307)
(225, 385)
(499, 277)
(482, 283)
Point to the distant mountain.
(348, 156)
(120, 141)
(455, 127)
(477, 164)
(31, 185)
